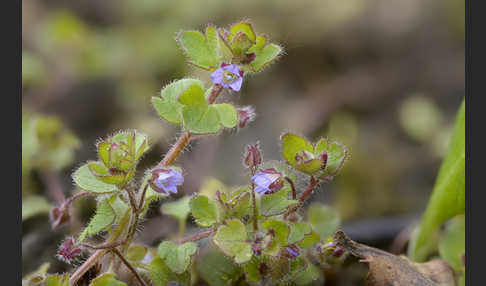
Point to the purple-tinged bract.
(68, 250)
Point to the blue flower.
(267, 181)
(229, 76)
(292, 251)
(166, 180)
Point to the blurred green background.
(384, 77)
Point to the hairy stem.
(197, 236)
(123, 259)
(308, 191)
(313, 183)
(86, 266)
(255, 210)
(168, 159)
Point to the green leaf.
(177, 257)
(252, 269)
(118, 206)
(204, 210)
(448, 196)
(106, 279)
(232, 240)
(218, 270)
(336, 155)
(57, 280)
(102, 220)
(161, 275)
(298, 231)
(136, 252)
(203, 118)
(241, 206)
(452, 244)
(168, 105)
(104, 152)
(276, 203)
(281, 230)
(34, 205)
(323, 219)
(310, 274)
(179, 209)
(85, 179)
(202, 50)
(227, 114)
(292, 145)
(309, 240)
(310, 166)
(243, 27)
(265, 56)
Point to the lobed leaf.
(85, 179)
(167, 105)
(177, 257)
(204, 210)
(232, 240)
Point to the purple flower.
(267, 181)
(166, 180)
(293, 251)
(68, 250)
(229, 76)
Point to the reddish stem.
(294, 192)
(197, 236)
(308, 191)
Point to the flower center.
(229, 77)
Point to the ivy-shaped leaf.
(232, 240)
(202, 118)
(161, 275)
(298, 231)
(177, 257)
(167, 105)
(85, 179)
(202, 50)
(204, 210)
(218, 270)
(266, 55)
(310, 159)
(276, 203)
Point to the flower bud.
(253, 156)
(69, 250)
(245, 115)
(59, 216)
